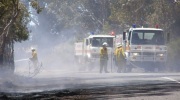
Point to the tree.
(82, 15)
(14, 18)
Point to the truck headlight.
(135, 54)
(160, 54)
(89, 55)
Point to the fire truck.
(145, 48)
(87, 51)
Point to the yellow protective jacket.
(120, 54)
(115, 51)
(34, 56)
(103, 54)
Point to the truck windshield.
(148, 37)
(98, 41)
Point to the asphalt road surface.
(70, 85)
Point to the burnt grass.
(97, 93)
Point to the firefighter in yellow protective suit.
(34, 58)
(115, 55)
(103, 58)
(120, 59)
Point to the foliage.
(106, 28)
(87, 15)
(143, 12)
(174, 55)
(36, 6)
(14, 18)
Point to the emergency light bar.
(134, 25)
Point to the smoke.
(55, 51)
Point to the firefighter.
(34, 58)
(120, 59)
(115, 55)
(103, 58)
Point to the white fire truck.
(87, 51)
(145, 47)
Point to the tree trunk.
(7, 55)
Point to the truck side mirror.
(124, 35)
(168, 38)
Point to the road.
(66, 84)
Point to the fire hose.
(35, 71)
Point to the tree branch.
(15, 14)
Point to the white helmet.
(104, 44)
(119, 45)
(33, 49)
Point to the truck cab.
(145, 47)
(93, 43)
(87, 52)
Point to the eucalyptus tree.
(14, 18)
(141, 12)
(80, 15)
